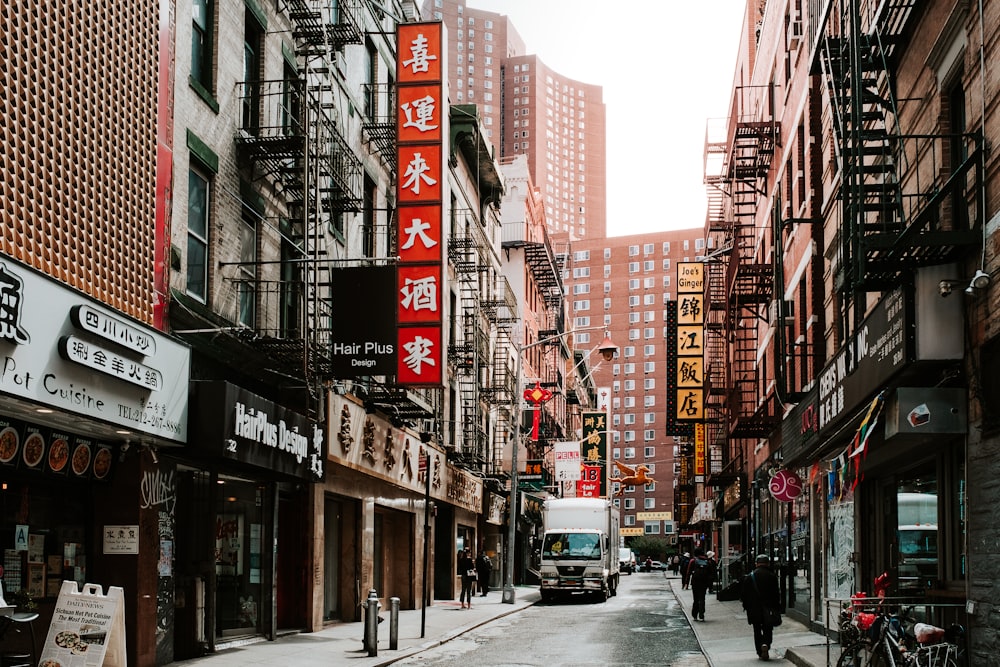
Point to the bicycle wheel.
(880, 658)
(850, 656)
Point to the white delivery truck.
(579, 548)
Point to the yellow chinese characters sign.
(690, 380)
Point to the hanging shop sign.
(690, 342)
(238, 425)
(363, 339)
(567, 461)
(593, 482)
(785, 486)
(926, 411)
(73, 355)
(421, 152)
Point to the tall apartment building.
(530, 109)
(624, 284)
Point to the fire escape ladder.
(468, 354)
(379, 125)
(715, 340)
(889, 229)
(544, 267)
(500, 309)
(322, 27)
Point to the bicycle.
(880, 640)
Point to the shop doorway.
(293, 557)
(394, 556)
(239, 567)
(916, 532)
(332, 516)
(445, 575)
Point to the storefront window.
(465, 539)
(238, 542)
(917, 532)
(44, 526)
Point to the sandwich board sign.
(88, 628)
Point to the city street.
(642, 625)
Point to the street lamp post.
(607, 350)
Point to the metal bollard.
(371, 623)
(393, 624)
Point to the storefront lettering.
(157, 489)
(11, 375)
(255, 425)
(878, 350)
(70, 394)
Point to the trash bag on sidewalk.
(731, 592)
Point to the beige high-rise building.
(624, 284)
(530, 109)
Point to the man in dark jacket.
(760, 595)
(701, 574)
(484, 566)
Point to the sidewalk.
(727, 639)
(724, 637)
(341, 643)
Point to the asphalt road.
(642, 625)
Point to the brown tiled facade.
(79, 146)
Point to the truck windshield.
(572, 545)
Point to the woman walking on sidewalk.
(467, 568)
(762, 602)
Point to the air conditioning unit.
(794, 34)
(781, 311)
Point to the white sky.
(666, 67)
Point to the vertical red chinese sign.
(421, 110)
(593, 481)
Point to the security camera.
(944, 288)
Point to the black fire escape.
(906, 198)
(288, 138)
(739, 284)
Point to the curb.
(448, 636)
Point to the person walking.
(467, 568)
(710, 555)
(675, 564)
(762, 601)
(685, 562)
(701, 574)
(484, 568)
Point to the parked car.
(626, 560)
(657, 566)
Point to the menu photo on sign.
(87, 628)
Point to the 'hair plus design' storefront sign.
(421, 104)
(238, 425)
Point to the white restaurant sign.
(60, 349)
(568, 460)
